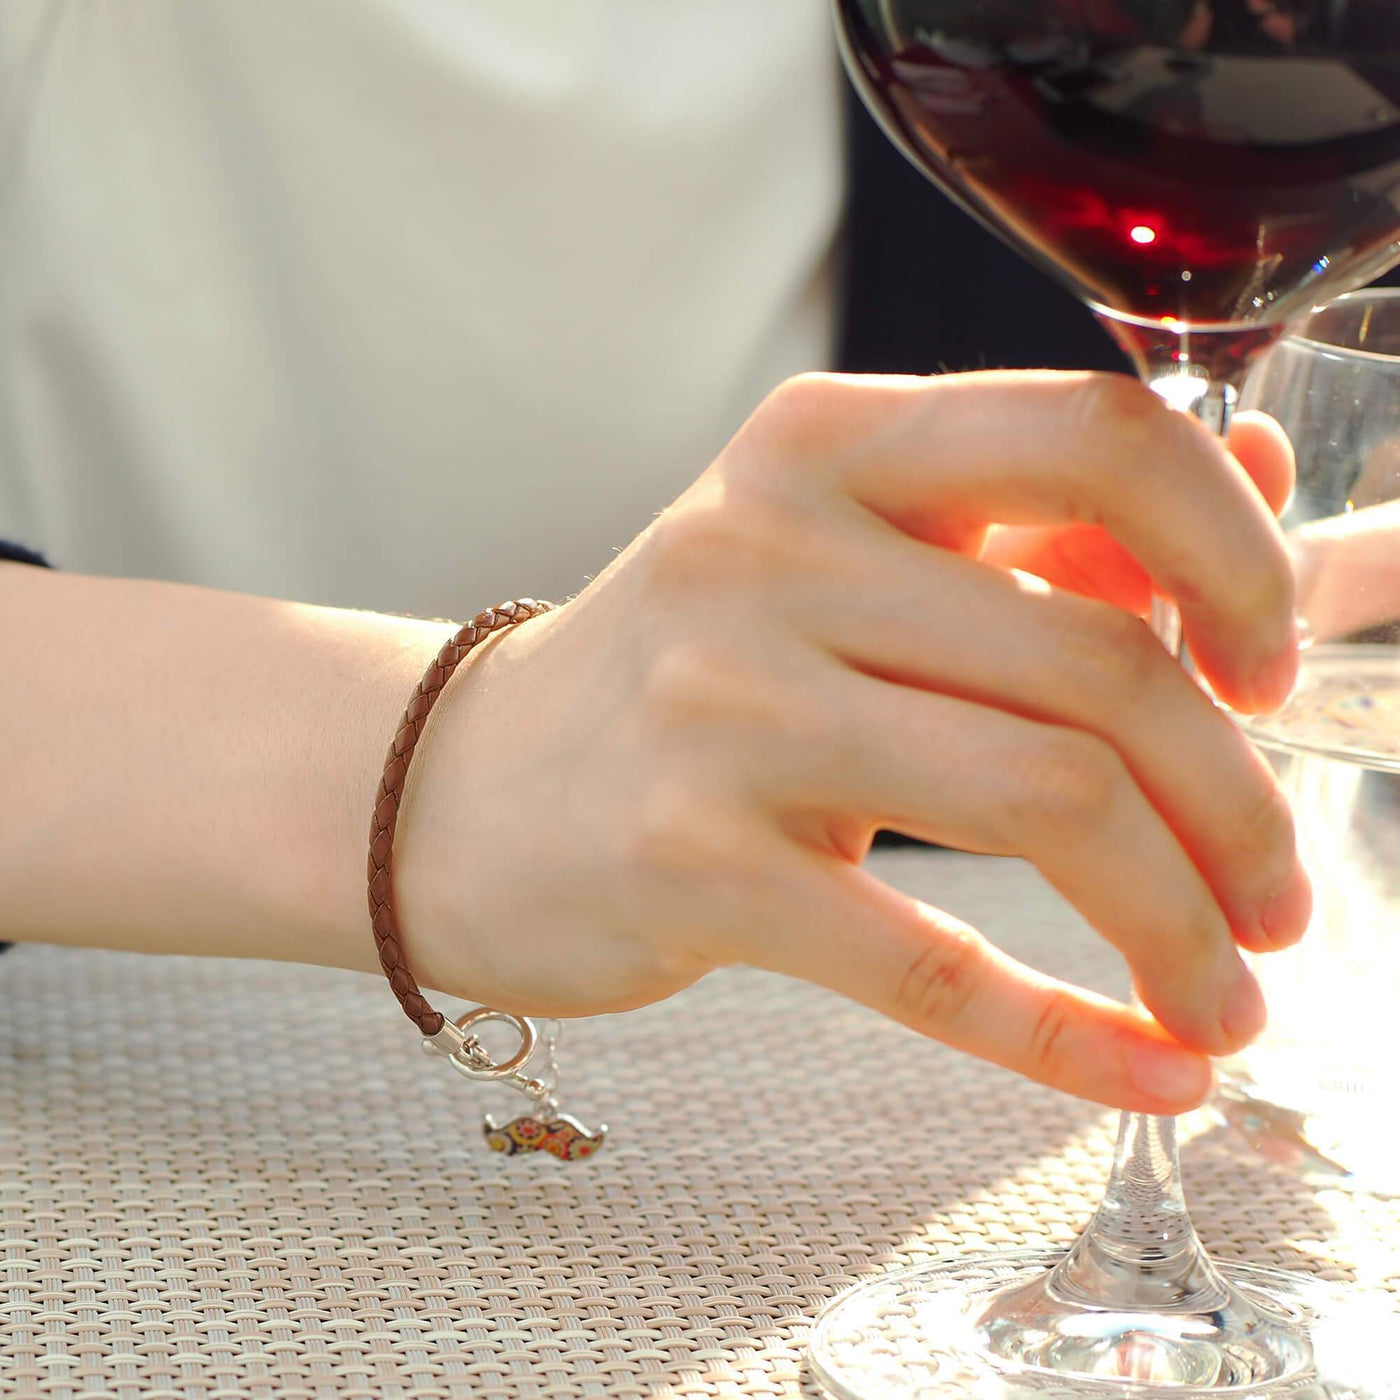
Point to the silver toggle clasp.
(466, 1054)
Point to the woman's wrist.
(197, 768)
(365, 668)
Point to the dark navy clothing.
(18, 554)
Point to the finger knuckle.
(1110, 419)
(699, 686)
(1266, 590)
(1113, 655)
(801, 399)
(1266, 837)
(688, 684)
(1049, 1037)
(693, 543)
(732, 538)
(943, 980)
(805, 417)
(1115, 404)
(1069, 781)
(1179, 954)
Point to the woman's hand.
(684, 766)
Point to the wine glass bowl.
(1203, 162)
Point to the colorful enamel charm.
(563, 1136)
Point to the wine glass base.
(916, 1335)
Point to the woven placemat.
(215, 1180)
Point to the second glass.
(1319, 1091)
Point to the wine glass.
(1198, 171)
(1317, 1091)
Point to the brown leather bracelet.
(387, 936)
(543, 1128)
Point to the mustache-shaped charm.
(562, 1136)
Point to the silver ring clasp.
(466, 1054)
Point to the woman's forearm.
(192, 771)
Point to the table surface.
(244, 1180)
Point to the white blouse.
(404, 304)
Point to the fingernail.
(1164, 1072)
(1285, 917)
(1243, 1016)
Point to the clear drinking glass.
(1320, 1091)
(1198, 171)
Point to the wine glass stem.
(1141, 1250)
(1214, 407)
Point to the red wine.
(1225, 162)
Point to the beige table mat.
(222, 1180)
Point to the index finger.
(944, 458)
(1085, 560)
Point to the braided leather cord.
(387, 937)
